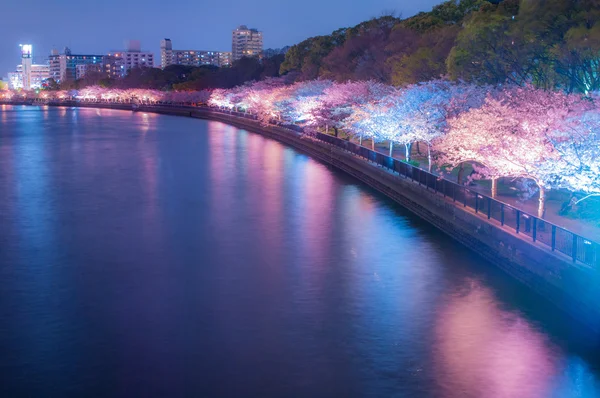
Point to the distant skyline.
(191, 24)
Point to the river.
(147, 255)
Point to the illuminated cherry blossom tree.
(423, 110)
(221, 98)
(264, 102)
(340, 100)
(301, 100)
(513, 134)
(578, 145)
(374, 120)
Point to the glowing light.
(26, 50)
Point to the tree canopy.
(553, 44)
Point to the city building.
(26, 65)
(28, 76)
(113, 66)
(82, 69)
(38, 74)
(166, 53)
(132, 57)
(64, 66)
(168, 56)
(15, 80)
(225, 58)
(246, 43)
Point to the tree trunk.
(408, 150)
(494, 187)
(418, 149)
(542, 205)
(326, 129)
(391, 148)
(360, 140)
(373, 144)
(335, 131)
(461, 171)
(428, 156)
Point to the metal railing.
(579, 249)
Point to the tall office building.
(64, 66)
(246, 43)
(168, 56)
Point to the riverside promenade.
(530, 206)
(560, 265)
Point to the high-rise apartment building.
(64, 66)
(246, 43)
(166, 53)
(168, 56)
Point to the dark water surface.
(145, 255)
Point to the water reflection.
(152, 255)
(483, 350)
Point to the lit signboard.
(26, 51)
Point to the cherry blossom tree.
(339, 101)
(424, 108)
(221, 98)
(264, 102)
(374, 120)
(301, 99)
(578, 145)
(90, 93)
(511, 135)
(361, 123)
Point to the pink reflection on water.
(485, 351)
(272, 171)
(145, 122)
(217, 168)
(319, 205)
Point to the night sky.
(97, 27)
